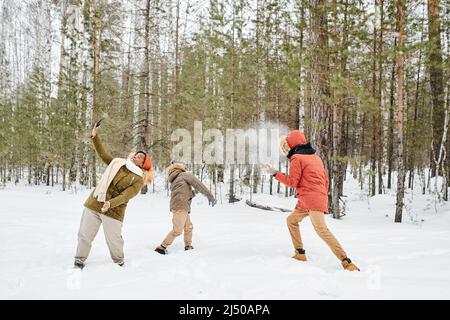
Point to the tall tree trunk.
(344, 141)
(257, 61)
(373, 149)
(413, 145)
(338, 118)
(380, 119)
(400, 111)
(447, 165)
(176, 79)
(232, 197)
(147, 87)
(320, 108)
(390, 148)
(301, 105)
(95, 78)
(436, 77)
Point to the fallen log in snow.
(265, 207)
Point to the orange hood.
(294, 138)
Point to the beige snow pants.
(318, 222)
(90, 223)
(181, 222)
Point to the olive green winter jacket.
(123, 187)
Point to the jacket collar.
(301, 149)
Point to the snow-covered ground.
(240, 252)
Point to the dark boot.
(78, 265)
(161, 249)
(186, 248)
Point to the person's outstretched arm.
(103, 154)
(197, 185)
(295, 174)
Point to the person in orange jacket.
(308, 176)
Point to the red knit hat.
(147, 165)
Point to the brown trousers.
(89, 226)
(318, 222)
(181, 222)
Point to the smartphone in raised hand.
(97, 124)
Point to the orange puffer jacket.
(307, 175)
